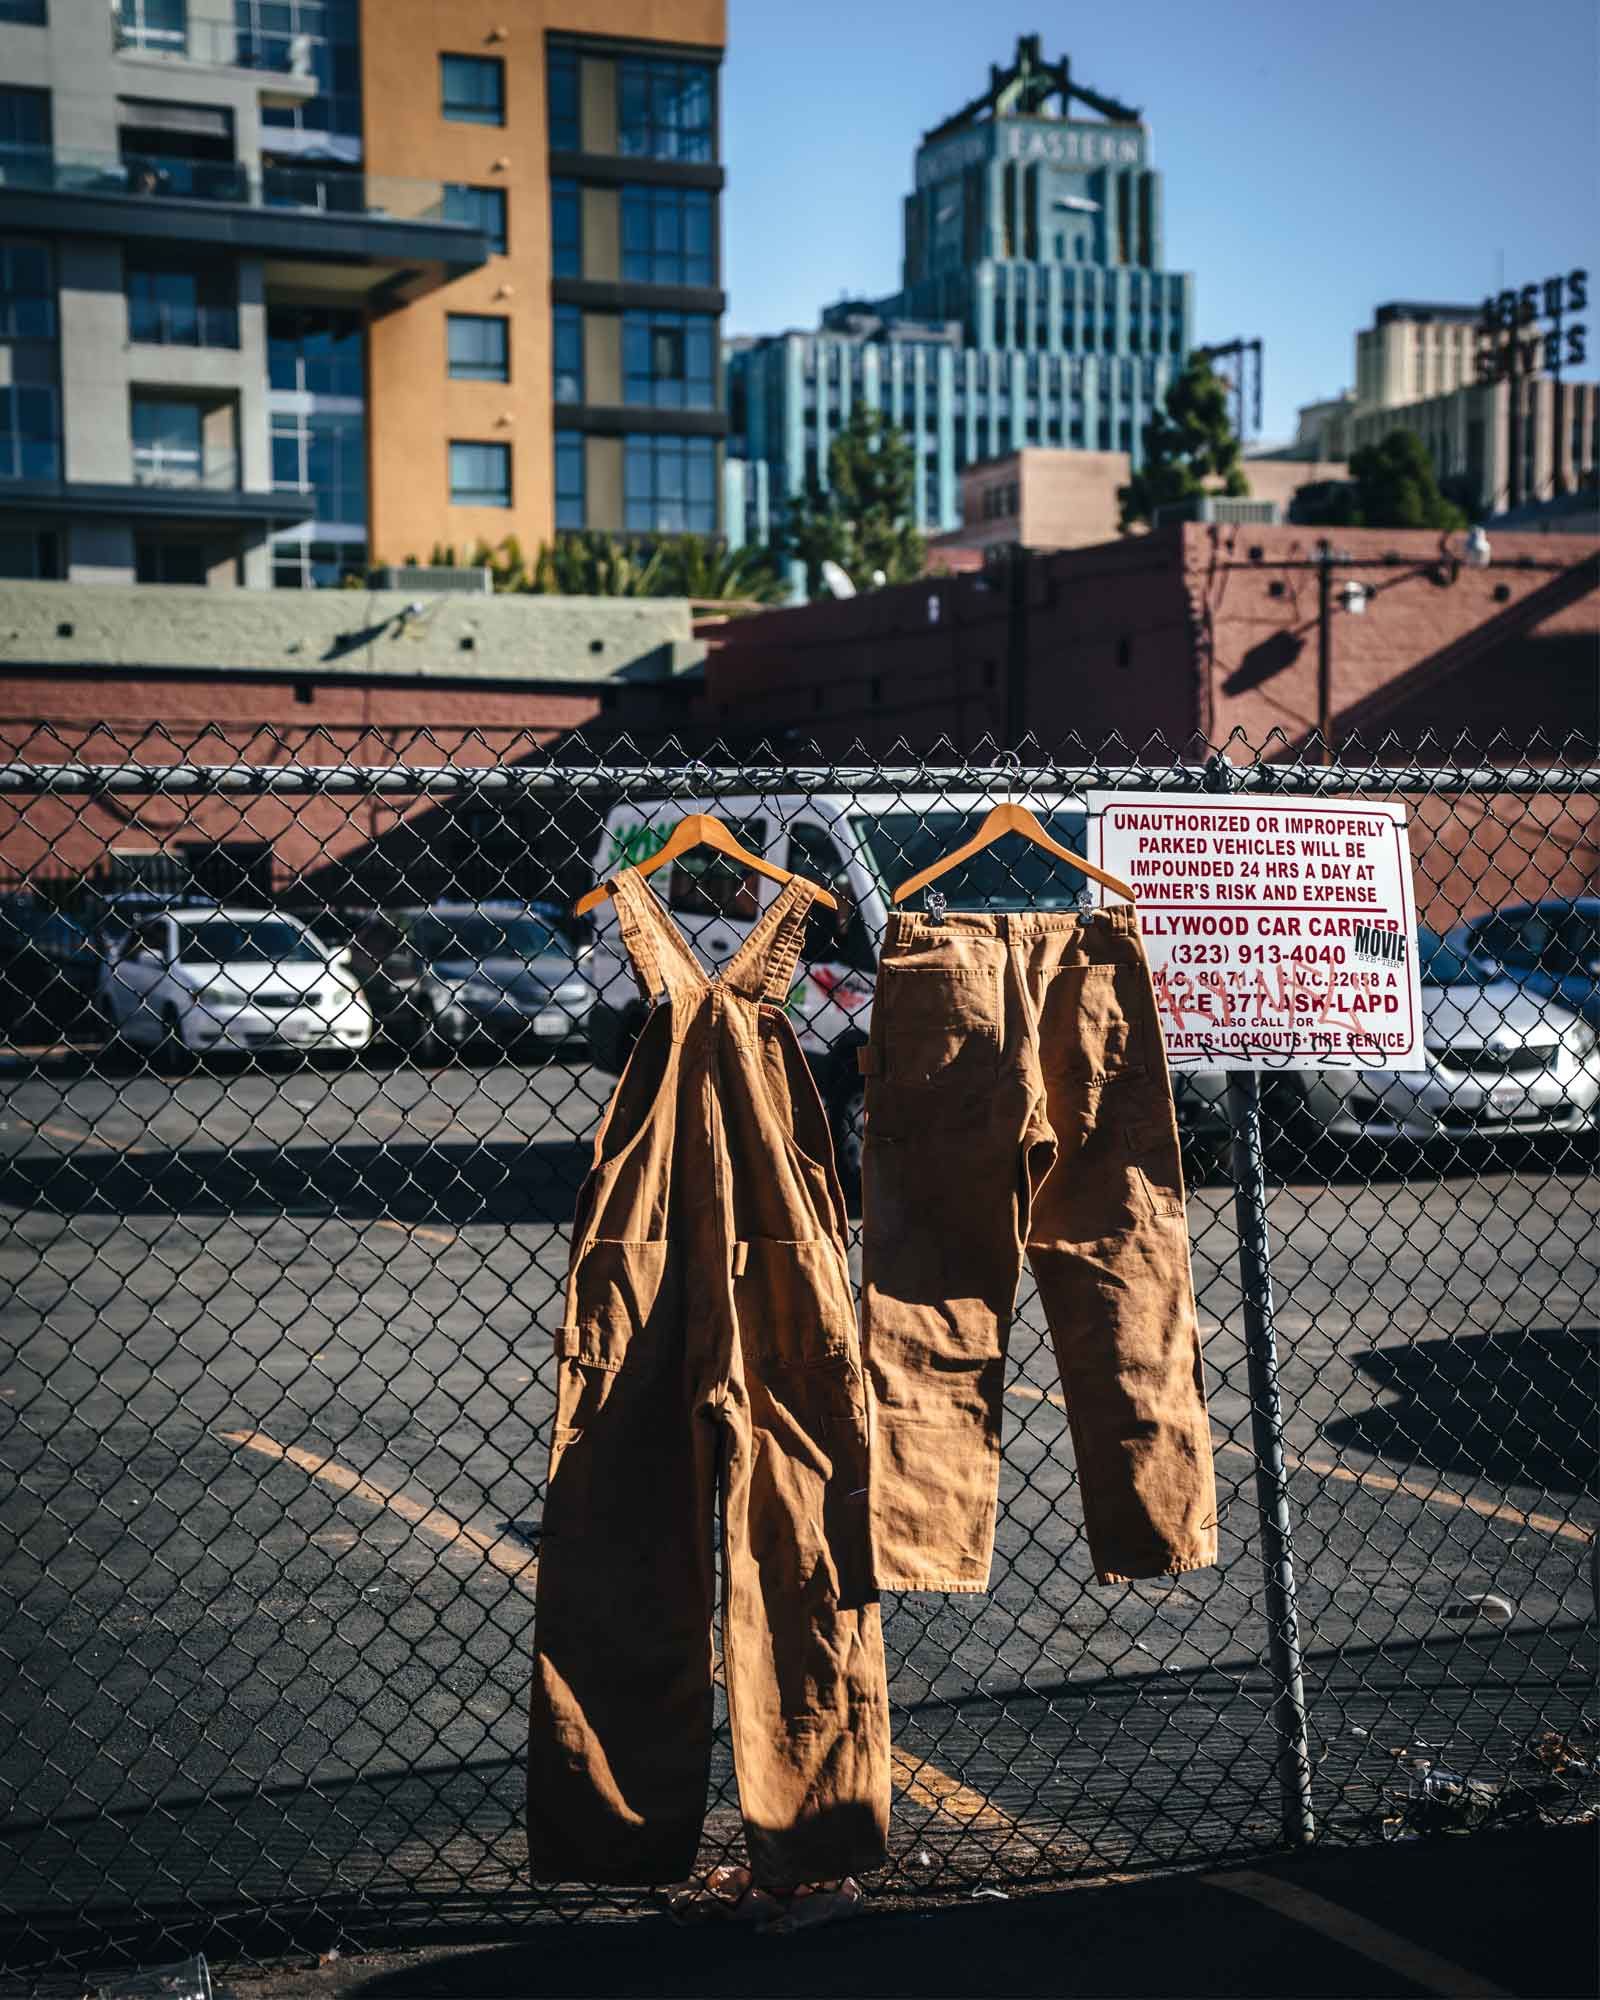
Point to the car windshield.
(1011, 875)
(474, 939)
(235, 941)
(1440, 966)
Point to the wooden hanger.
(700, 830)
(1002, 819)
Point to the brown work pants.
(709, 1352)
(1018, 1101)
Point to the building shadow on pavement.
(1519, 1407)
(442, 1182)
(1516, 1912)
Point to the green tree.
(1189, 447)
(701, 567)
(1392, 485)
(864, 519)
(591, 563)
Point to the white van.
(859, 845)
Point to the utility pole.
(1016, 644)
(1325, 648)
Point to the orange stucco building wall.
(414, 407)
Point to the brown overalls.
(710, 1346)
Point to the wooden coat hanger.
(1003, 819)
(700, 830)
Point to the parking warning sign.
(1282, 933)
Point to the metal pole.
(1514, 423)
(1272, 1487)
(1325, 648)
(1016, 646)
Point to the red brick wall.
(1187, 634)
(182, 718)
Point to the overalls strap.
(662, 961)
(763, 966)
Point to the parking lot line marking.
(917, 1778)
(1384, 1947)
(426, 1519)
(52, 1131)
(926, 1785)
(1549, 1524)
(416, 1229)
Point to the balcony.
(160, 492)
(375, 234)
(280, 65)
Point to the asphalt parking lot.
(275, 1366)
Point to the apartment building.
(290, 287)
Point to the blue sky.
(1318, 160)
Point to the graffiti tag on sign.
(1281, 933)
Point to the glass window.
(666, 236)
(168, 442)
(703, 883)
(28, 13)
(568, 354)
(566, 230)
(158, 25)
(669, 360)
(569, 480)
(1012, 875)
(473, 89)
(669, 485)
(226, 941)
(27, 290)
(169, 562)
(29, 553)
(316, 351)
(326, 455)
(24, 118)
(664, 109)
(484, 208)
(313, 565)
(171, 306)
(480, 347)
(314, 38)
(30, 432)
(452, 940)
(480, 475)
(565, 132)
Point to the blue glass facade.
(1034, 309)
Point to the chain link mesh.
(283, 1245)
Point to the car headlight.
(222, 993)
(1580, 1040)
(571, 992)
(483, 991)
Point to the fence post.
(1272, 1488)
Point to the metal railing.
(276, 1368)
(165, 177)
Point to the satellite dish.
(836, 579)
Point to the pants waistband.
(1120, 919)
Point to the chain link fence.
(302, 1058)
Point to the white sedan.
(228, 981)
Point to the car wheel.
(171, 1043)
(847, 1114)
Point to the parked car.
(1500, 1061)
(1551, 949)
(220, 980)
(478, 977)
(49, 973)
(859, 845)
